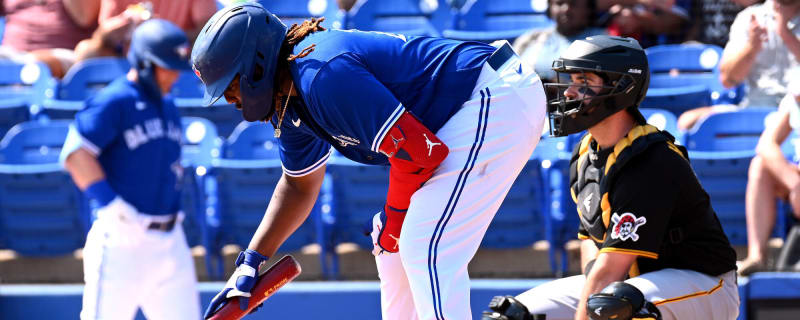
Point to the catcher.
(644, 216)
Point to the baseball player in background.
(123, 151)
(456, 121)
(643, 215)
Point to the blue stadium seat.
(200, 144)
(682, 65)
(683, 58)
(188, 93)
(245, 177)
(359, 191)
(518, 222)
(728, 131)
(41, 210)
(560, 216)
(485, 20)
(720, 149)
(724, 177)
(677, 99)
(224, 116)
(187, 86)
(19, 83)
(663, 120)
(65, 98)
(296, 11)
(408, 17)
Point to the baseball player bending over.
(124, 152)
(644, 216)
(456, 121)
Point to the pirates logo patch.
(625, 226)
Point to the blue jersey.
(137, 141)
(355, 85)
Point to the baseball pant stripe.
(480, 134)
(692, 295)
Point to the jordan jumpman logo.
(430, 143)
(396, 241)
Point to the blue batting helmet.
(161, 43)
(242, 40)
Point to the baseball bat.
(279, 274)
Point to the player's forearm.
(588, 253)
(84, 168)
(289, 206)
(608, 267)
(734, 69)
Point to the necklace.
(283, 112)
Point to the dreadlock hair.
(295, 34)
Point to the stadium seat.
(296, 11)
(560, 216)
(200, 144)
(187, 86)
(518, 222)
(728, 131)
(42, 213)
(485, 20)
(188, 94)
(359, 191)
(677, 99)
(65, 98)
(720, 149)
(685, 65)
(407, 17)
(242, 183)
(19, 83)
(663, 120)
(693, 58)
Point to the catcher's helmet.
(161, 43)
(241, 40)
(621, 63)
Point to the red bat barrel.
(268, 283)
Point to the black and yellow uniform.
(642, 197)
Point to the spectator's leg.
(760, 211)
(688, 118)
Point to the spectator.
(712, 19)
(540, 47)
(649, 21)
(762, 46)
(47, 30)
(117, 18)
(771, 177)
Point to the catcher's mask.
(620, 62)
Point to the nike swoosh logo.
(296, 123)
(519, 70)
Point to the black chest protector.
(592, 172)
